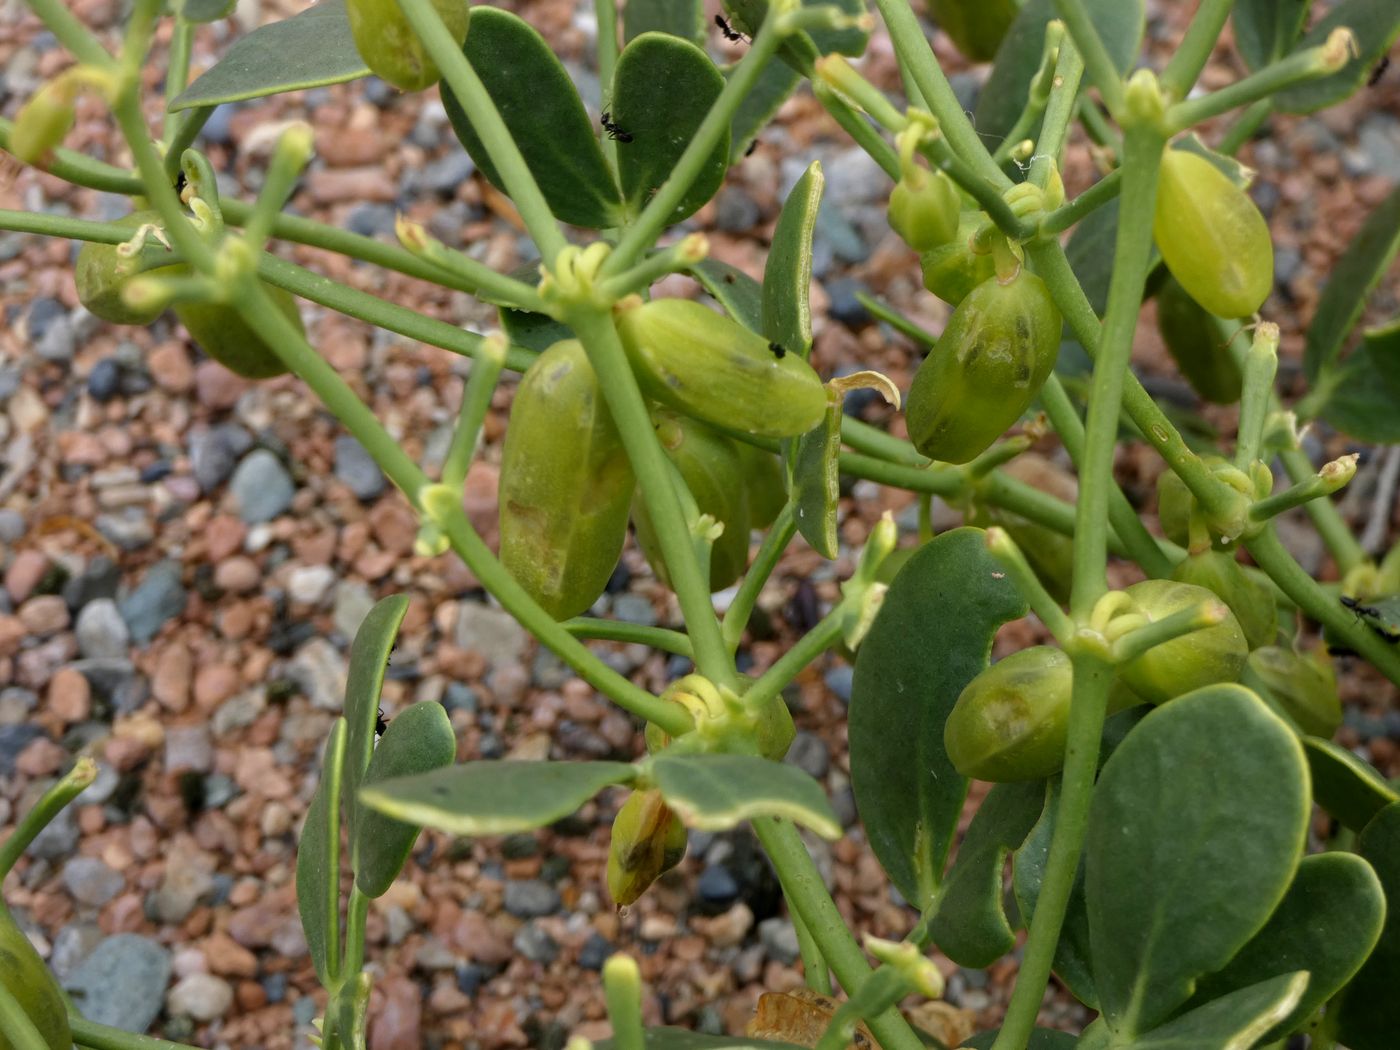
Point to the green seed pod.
(1212, 236)
(566, 484)
(765, 485)
(29, 981)
(1199, 658)
(713, 470)
(101, 274)
(43, 121)
(924, 209)
(1304, 684)
(391, 48)
(711, 368)
(1252, 603)
(1191, 336)
(986, 369)
(647, 841)
(776, 730)
(1176, 505)
(221, 333)
(1010, 722)
(976, 27)
(953, 270)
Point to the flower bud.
(924, 209)
(1303, 684)
(389, 46)
(953, 269)
(647, 841)
(1199, 658)
(1010, 722)
(1252, 603)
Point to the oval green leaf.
(364, 681)
(1326, 924)
(718, 792)
(1382, 345)
(777, 81)
(932, 636)
(308, 50)
(1345, 786)
(1232, 1022)
(318, 862)
(1265, 30)
(739, 294)
(681, 18)
(663, 87)
(205, 10)
(418, 740)
(971, 926)
(543, 113)
(816, 481)
(1375, 25)
(1358, 405)
(1197, 825)
(1370, 1011)
(494, 798)
(787, 275)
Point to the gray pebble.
(202, 997)
(122, 983)
(100, 578)
(13, 740)
(530, 898)
(58, 839)
(735, 210)
(188, 748)
(536, 944)
(91, 881)
(839, 679)
(11, 525)
(71, 945)
(214, 453)
(357, 469)
(351, 605)
(43, 314)
(15, 705)
(58, 343)
(448, 172)
(101, 631)
(319, 669)
(159, 597)
(491, 632)
(634, 608)
(810, 754)
(129, 528)
(371, 219)
(779, 940)
(261, 487)
(108, 675)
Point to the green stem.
(1319, 486)
(1062, 104)
(1260, 366)
(787, 667)
(71, 33)
(606, 13)
(1132, 252)
(814, 968)
(654, 478)
(1297, 68)
(987, 195)
(104, 1037)
(500, 146)
(16, 1028)
(802, 886)
(1328, 521)
(187, 127)
(1010, 557)
(1097, 126)
(1245, 125)
(878, 992)
(356, 914)
(1097, 62)
(1193, 52)
(1095, 197)
(73, 783)
(1175, 625)
(856, 125)
(177, 73)
(476, 401)
(1088, 707)
(662, 638)
(736, 617)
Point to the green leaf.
(352, 1011)
(1345, 786)
(308, 50)
(1370, 1011)
(494, 798)
(1197, 825)
(1041, 1039)
(418, 740)
(787, 276)
(1375, 24)
(680, 1039)
(1090, 253)
(318, 861)
(816, 481)
(531, 330)
(1326, 924)
(1354, 277)
(932, 636)
(1357, 404)
(739, 294)
(1265, 30)
(971, 926)
(801, 50)
(662, 89)
(1120, 23)
(544, 115)
(205, 10)
(682, 18)
(369, 657)
(777, 81)
(1382, 349)
(718, 792)
(1232, 1022)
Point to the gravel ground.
(185, 556)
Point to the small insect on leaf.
(778, 350)
(380, 724)
(1382, 615)
(729, 32)
(614, 131)
(1378, 72)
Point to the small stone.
(530, 898)
(535, 943)
(24, 574)
(352, 604)
(44, 614)
(159, 597)
(201, 997)
(58, 342)
(188, 748)
(174, 672)
(320, 670)
(595, 951)
(214, 453)
(217, 387)
(215, 683)
(237, 575)
(261, 487)
(70, 696)
(14, 739)
(492, 632)
(72, 945)
(634, 608)
(810, 754)
(239, 712)
(839, 680)
(12, 525)
(101, 631)
(310, 584)
(103, 382)
(717, 887)
(169, 365)
(357, 469)
(122, 983)
(394, 526)
(129, 528)
(91, 882)
(779, 940)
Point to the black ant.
(614, 131)
(752, 146)
(1379, 71)
(729, 32)
(380, 724)
(778, 350)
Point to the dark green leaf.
(1375, 24)
(787, 276)
(494, 798)
(1326, 924)
(801, 50)
(682, 18)
(1232, 1022)
(1090, 253)
(1370, 1012)
(932, 636)
(418, 740)
(680, 1039)
(1382, 349)
(1359, 405)
(662, 89)
(369, 657)
(1197, 826)
(308, 50)
(777, 81)
(1041, 1039)
(1345, 786)
(1265, 30)
(971, 925)
(718, 792)
(531, 330)
(739, 294)
(1344, 296)
(816, 481)
(1119, 22)
(544, 115)
(206, 10)
(318, 861)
